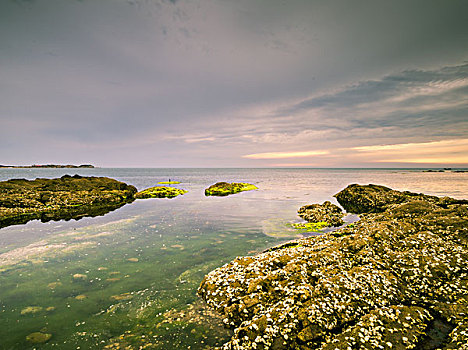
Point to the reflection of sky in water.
(158, 250)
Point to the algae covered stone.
(225, 188)
(168, 182)
(160, 192)
(31, 310)
(68, 197)
(38, 337)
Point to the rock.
(81, 297)
(38, 337)
(225, 188)
(53, 285)
(160, 192)
(327, 212)
(132, 259)
(80, 277)
(395, 279)
(122, 297)
(31, 310)
(168, 182)
(69, 197)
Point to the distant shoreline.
(48, 166)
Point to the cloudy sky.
(228, 83)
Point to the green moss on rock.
(225, 188)
(160, 192)
(168, 182)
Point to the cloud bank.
(158, 83)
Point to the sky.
(234, 83)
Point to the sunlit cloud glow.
(448, 151)
(279, 155)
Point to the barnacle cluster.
(397, 279)
(326, 212)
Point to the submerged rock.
(31, 310)
(225, 188)
(327, 212)
(160, 192)
(80, 277)
(397, 279)
(38, 337)
(68, 197)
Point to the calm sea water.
(133, 273)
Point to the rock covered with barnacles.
(326, 212)
(397, 279)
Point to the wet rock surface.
(68, 197)
(397, 279)
(327, 212)
(225, 188)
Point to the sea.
(129, 278)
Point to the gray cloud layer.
(201, 83)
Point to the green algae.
(168, 182)
(160, 192)
(38, 337)
(225, 188)
(311, 226)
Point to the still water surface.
(133, 273)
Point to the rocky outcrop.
(375, 198)
(397, 279)
(68, 197)
(327, 212)
(225, 188)
(160, 192)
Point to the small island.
(396, 279)
(225, 188)
(48, 166)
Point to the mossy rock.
(225, 188)
(38, 337)
(68, 197)
(160, 192)
(168, 182)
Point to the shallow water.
(158, 251)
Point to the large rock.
(326, 212)
(63, 198)
(397, 279)
(375, 198)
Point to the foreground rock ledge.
(397, 279)
(68, 197)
